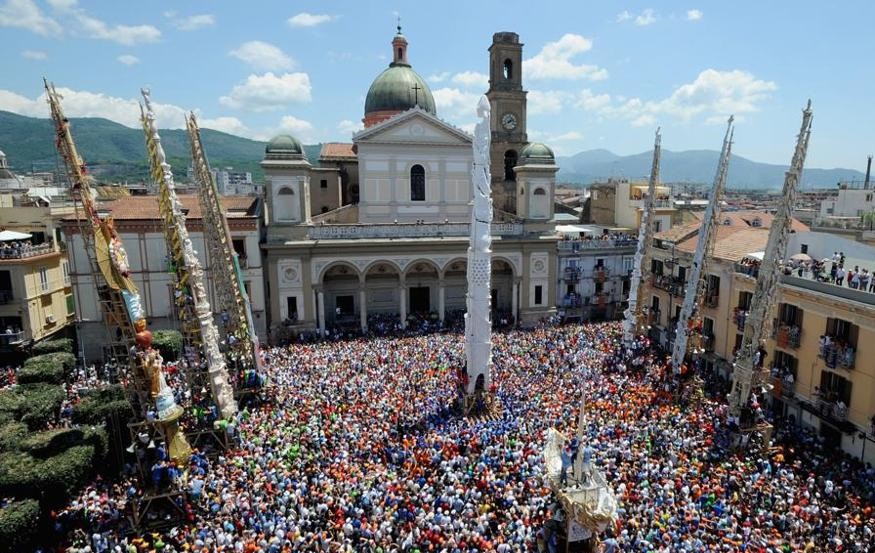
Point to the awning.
(756, 255)
(7, 235)
(575, 228)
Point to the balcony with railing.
(837, 355)
(572, 300)
(601, 274)
(711, 299)
(10, 338)
(595, 244)
(748, 269)
(654, 316)
(671, 284)
(740, 316)
(405, 230)
(572, 274)
(786, 336)
(23, 251)
(600, 300)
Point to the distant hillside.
(695, 166)
(114, 151)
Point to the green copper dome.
(284, 144)
(536, 153)
(399, 88)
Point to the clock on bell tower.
(508, 102)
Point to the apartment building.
(36, 297)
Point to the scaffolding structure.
(156, 413)
(237, 330)
(635, 319)
(750, 372)
(689, 326)
(202, 363)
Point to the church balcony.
(595, 244)
(406, 230)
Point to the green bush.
(41, 404)
(168, 343)
(43, 370)
(56, 477)
(66, 360)
(97, 437)
(100, 405)
(51, 346)
(11, 404)
(11, 435)
(51, 442)
(19, 521)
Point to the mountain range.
(115, 152)
(692, 166)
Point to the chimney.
(868, 173)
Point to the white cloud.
(348, 128)
(263, 55)
(712, 96)
(80, 103)
(554, 61)
(269, 91)
(568, 136)
(439, 77)
(230, 125)
(34, 55)
(456, 105)
(645, 18)
(305, 19)
(25, 14)
(694, 15)
(195, 22)
(128, 59)
(127, 35)
(91, 27)
(624, 16)
(592, 102)
(545, 101)
(299, 128)
(471, 79)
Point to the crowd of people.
(834, 270)
(355, 450)
(14, 249)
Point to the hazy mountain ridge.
(695, 166)
(114, 151)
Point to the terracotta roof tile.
(337, 149)
(732, 243)
(146, 207)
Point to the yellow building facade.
(36, 297)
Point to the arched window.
(539, 192)
(417, 183)
(400, 54)
(508, 69)
(286, 207)
(510, 159)
(539, 207)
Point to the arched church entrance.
(340, 285)
(422, 281)
(384, 302)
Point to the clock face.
(508, 121)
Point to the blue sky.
(600, 74)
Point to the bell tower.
(508, 102)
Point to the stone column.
(320, 307)
(402, 290)
(515, 300)
(441, 300)
(363, 308)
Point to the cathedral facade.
(380, 226)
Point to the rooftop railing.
(25, 251)
(405, 230)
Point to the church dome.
(398, 88)
(536, 153)
(284, 146)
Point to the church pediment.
(414, 126)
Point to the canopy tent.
(7, 235)
(575, 229)
(758, 256)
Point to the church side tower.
(507, 100)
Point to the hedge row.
(12, 433)
(102, 405)
(49, 367)
(168, 343)
(51, 346)
(19, 521)
(23, 475)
